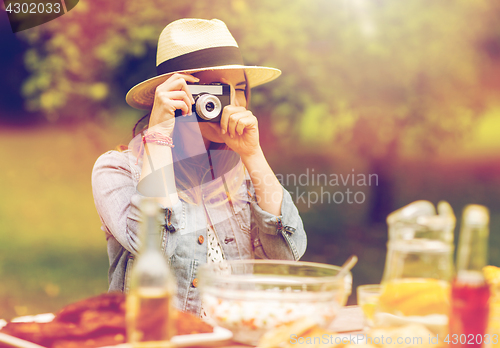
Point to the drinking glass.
(368, 295)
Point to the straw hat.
(193, 45)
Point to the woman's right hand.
(171, 95)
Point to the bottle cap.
(475, 215)
(150, 206)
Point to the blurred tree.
(373, 77)
(379, 78)
(490, 44)
(410, 73)
(77, 62)
(74, 59)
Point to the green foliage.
(374, 74)
(52, 250)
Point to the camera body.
(209, 101)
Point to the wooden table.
(349, 320)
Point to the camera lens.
(208, 106)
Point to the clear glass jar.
(419, 267)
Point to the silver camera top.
(210, 100)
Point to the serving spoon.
(347, 266)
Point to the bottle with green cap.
(150, 313)
(470, 293)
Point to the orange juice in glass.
(492, 275)
(417, 300)
(368, 296)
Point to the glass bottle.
(150, 312)
(470, 292)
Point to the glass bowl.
(250, 297)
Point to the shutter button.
(201, 239)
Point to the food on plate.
(100, 341)
(94, 322)
(409, 336)
(303, 332)
(275, 337)
(315, 337)
(114, 302)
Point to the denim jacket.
(244, 231)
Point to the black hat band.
(208, 57)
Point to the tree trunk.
(382, 202)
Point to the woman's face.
(234, 78)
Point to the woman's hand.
(171, 95)
(240, 131)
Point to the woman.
(220, 197)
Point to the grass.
(52, 251)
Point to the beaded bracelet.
(155, 138)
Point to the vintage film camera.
(209, 101)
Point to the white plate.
(219, 335)
(199, 340)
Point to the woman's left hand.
(240, 131)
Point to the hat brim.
(141, 96)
